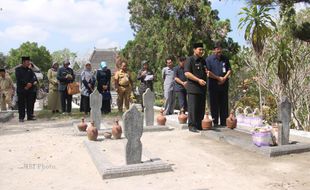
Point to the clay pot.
(116, 130)
(82, 126)
(206, 123)
(161, 119)
(92, 132)
(231, 121)
(182, 117)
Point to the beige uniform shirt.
(123, 78)
(6, 84)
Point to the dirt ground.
(46, 155)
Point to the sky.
(81, 25)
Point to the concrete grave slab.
(108, 170)
(244, 141)
(133, 130)
(172, 120)
(6, 116)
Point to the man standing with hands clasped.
(196, 87)
(25, 81)
(218, 70)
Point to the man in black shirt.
(25, 80)
(218, 72)
(196, 87)
(180, 82)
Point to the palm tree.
(258, 25)
(287, 14)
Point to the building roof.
(107, 55)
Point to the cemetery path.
(46, 155)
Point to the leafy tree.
(2, 60)
(40, 56)
(169, 28)
(287, 14)
(61, 55)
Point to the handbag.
(73, 88)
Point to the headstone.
(285, 118)
(148, 102)
(133, 129)
(95, 105)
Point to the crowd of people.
(189, 81)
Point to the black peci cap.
(25, 58)
(2, 70)
(198, 45)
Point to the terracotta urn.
(231, 121)
(161, 119)
(182, 117)
(92, 132)
(206, 123)
(82, 126)
(116, 130)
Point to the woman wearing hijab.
(87, 87)
(53, 93)
(104, 79)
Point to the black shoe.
(193, 129)
(31, 119)
(21, 120)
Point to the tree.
(287, 14)
(297, 87)
(258, 24)
(40, 56)
(62, 55)
(169, 28)
(2, 60)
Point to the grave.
(95, 101)
(244, 141)
(242, 135)
(6, 116)
(172, 120)
(95, 115)
(136, 161)
(148, 102)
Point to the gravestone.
(148, 102)
(95, 105)
(285, 118)
(133, 129)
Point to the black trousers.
(106, 106)
(219, 105)
(182, 99)
(25, 101)
(84, 105)
(196, 109)
(33, 97)
(66, 101)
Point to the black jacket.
(24, 75)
